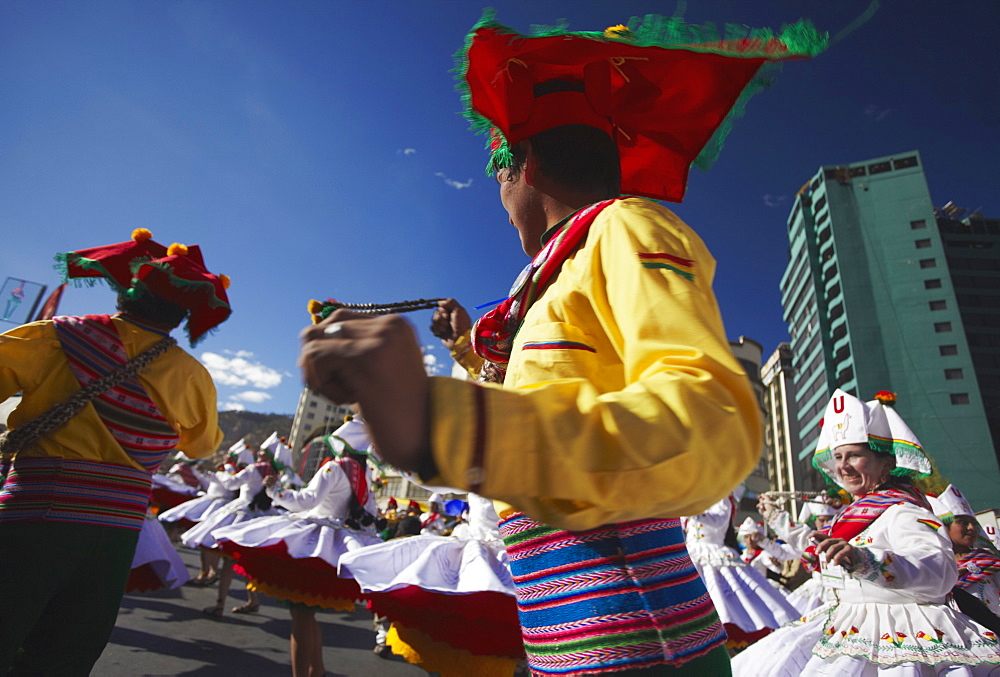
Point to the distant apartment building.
(882, 292)
(314, 416)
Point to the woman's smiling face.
(859, 469)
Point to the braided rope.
(384, 308)
(13, 441)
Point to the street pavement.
(165, 633)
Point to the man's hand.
(270, 481)
(375, 362)
(450, 321)
(836, 550)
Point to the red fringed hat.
(664, 90)
(177, 274)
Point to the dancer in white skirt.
(156, 563)
(294, 556)
(251, 502)
(747, 604)
(977, 557)
(889, 559)
(812, 517)
(450, 598)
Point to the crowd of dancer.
(607, 404)
(877, 597)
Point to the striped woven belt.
(87, 492)
(619, 597)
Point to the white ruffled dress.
(294, 556)
(745, 601)
(249, 482)
(198, 509)
(892, 617)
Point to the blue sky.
(314, 149)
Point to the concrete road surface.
(166, 633)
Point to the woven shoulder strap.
(13, 441)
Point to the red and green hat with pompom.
(666, 91)
(176, 273)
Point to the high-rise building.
(748, 352)
(315, 415)
(879, 296)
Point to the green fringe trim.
(194, 286)
(879, 445)
(61, 266)
(800, 38)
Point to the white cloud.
(254, 396)
(774, 200)
(457, 185)
(407, 151)
(431, 364)
(878, 112)
(239, 370)
(231, 406)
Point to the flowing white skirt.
(437, 563)
(741, 594)
(236, 511)
(302, 537)
(887, 640)
(195, 510)
(155, 550)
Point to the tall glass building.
(882, 292)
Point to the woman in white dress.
(450, 598)
(294, 556)
(890, 561)
(251, 502)
(978, 559)
(747, 604)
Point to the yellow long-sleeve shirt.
(646, 414)
(32, 361)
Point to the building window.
(960, 398)
(917, 225)
(879, 167)
(819, 205)
(923, 244)
(313, 403)
(941, 327)
(845, 376)
(948, 350)
(928, 263)
(856, 171)
(953, 374)
(932, 284)
(837, 311)
(938, 305)
(903, 163)
(310, 415)
(840, 332)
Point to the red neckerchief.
(862, 512)
(356, 476)
(493, 334)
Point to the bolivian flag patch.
(933, 524)
(667, 262)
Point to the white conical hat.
(749, 527)
(848, 420)
(814, 508)
(951, 503)
(243, 454)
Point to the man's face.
(523, 209)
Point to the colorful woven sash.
(64, 490)
(862, 512)
(977, 566)
(93, 492)
(493, 334)
(93, 348)
(621, 596)
(356, 476)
